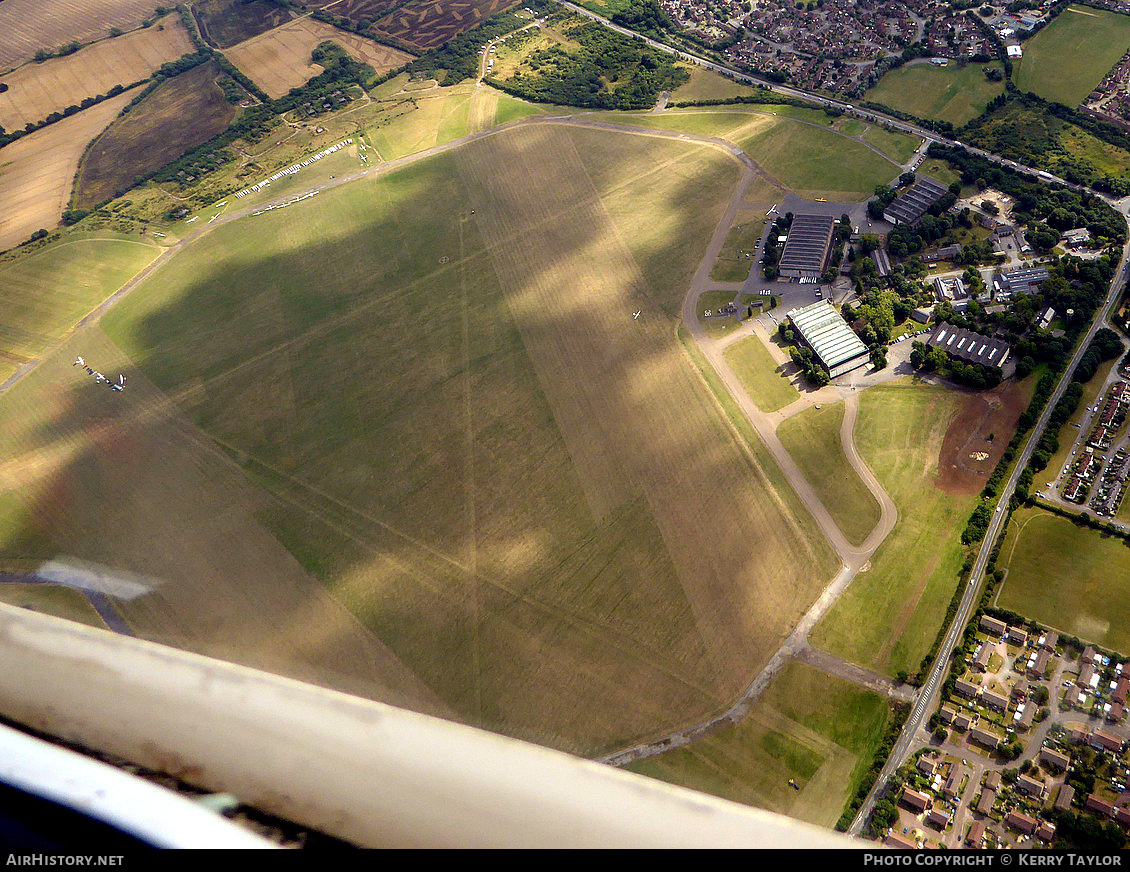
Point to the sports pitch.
(531, 505)
(1068, 577)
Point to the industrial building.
(969, 346)
(952, 290)
(808, 247)
(824, 330)
(909, 206)
(1020, 281)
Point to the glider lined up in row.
(98, 377)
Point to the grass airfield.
(378, 442)
(531, 502)
(809, 727)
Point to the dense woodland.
(606, 71)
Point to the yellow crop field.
(37, 171)
(37, 90)
(279, 59)
(29, 25)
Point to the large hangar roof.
(806, 247)
(915, 201)
(827, 333)
(970, 346)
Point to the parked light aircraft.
(98, 377)
(635, 316)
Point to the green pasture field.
(792, 147)
(897, 146)
(814, 728)
(440, 116)
(850, 126)
(812, 438)
(732, 264)
(950, 93)
(534, 501)
(763, 379)
(1068, 577)
(797, 155)
(44, 294)
(707, 85)
(889, 616)
(1068, 58)
(1109, 160)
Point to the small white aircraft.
(98, 377)
(772, 211)
(635, 316)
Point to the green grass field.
(763, 379)
(889, 616)
(45, 293)
(735, 260)
(812, 437)
(796, 154)
(951, 93)
(1068, 577)
(938, 170)
(707, 85)
(1068, 58)
(808, 726)
(539, 507)
(897, 146)
(792, 144)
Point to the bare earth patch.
(968, 457)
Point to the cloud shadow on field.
(525, 507)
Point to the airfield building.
(969, 346)
(1020, 281)
(824, 330)
(808, 247)
(912, 204)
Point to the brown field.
(280, 60)
(37, 90)
(37, 171)
(29, 25)
(181, 114)
(427, 24)
(980, 415)
(225, 23)
(354, 10)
